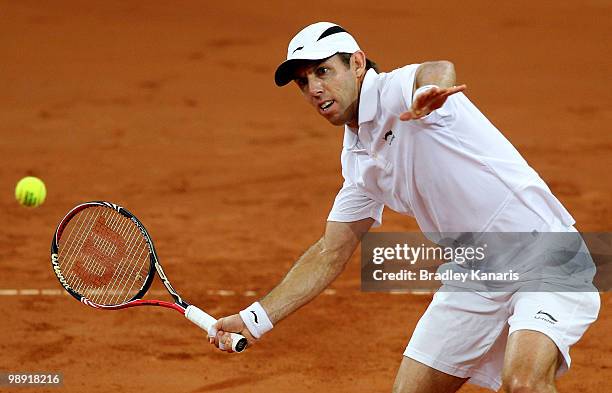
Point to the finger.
(455, 89)
(212, 331)
(437, 102)
(223, 341)
(425, 96)
(438, 93)
(218, 337)
(222, 345)
(446, 94)
(227, 342)
(425, 104)
(221, 338)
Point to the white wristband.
(256, 320)
(421, 90)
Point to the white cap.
(315, 42)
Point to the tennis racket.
(105, 258)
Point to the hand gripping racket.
(104, 257)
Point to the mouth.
(325, 107)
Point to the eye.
(301, 82)
(322, 70)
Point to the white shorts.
(464, 333)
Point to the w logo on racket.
(100, 254)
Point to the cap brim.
(285, 72)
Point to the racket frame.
(180, 305)
(194, 314)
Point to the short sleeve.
(352, 205)
(407, 80)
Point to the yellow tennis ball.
(30, 191)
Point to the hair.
(346, 59)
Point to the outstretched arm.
(441, 75)
(308, 277)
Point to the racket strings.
(104, 296)
(126, 276)
(89, 263)
(74, 244)
(113, 293)
(127, 273)
(103, 256)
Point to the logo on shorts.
(544, 316)
(255, 316)
(389, 137)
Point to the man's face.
(332, 88)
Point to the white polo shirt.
(452, 170)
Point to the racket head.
(103, 255)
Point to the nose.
(315, 87)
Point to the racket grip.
(206, 322)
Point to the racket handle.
(206, 322)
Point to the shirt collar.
(368, 99)
(350, 139)
(368, 105)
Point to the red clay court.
(170, 109)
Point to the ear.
(358, 63)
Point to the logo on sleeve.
(255, 316)
(389, 137)
(544, 316)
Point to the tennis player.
(414, 142)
